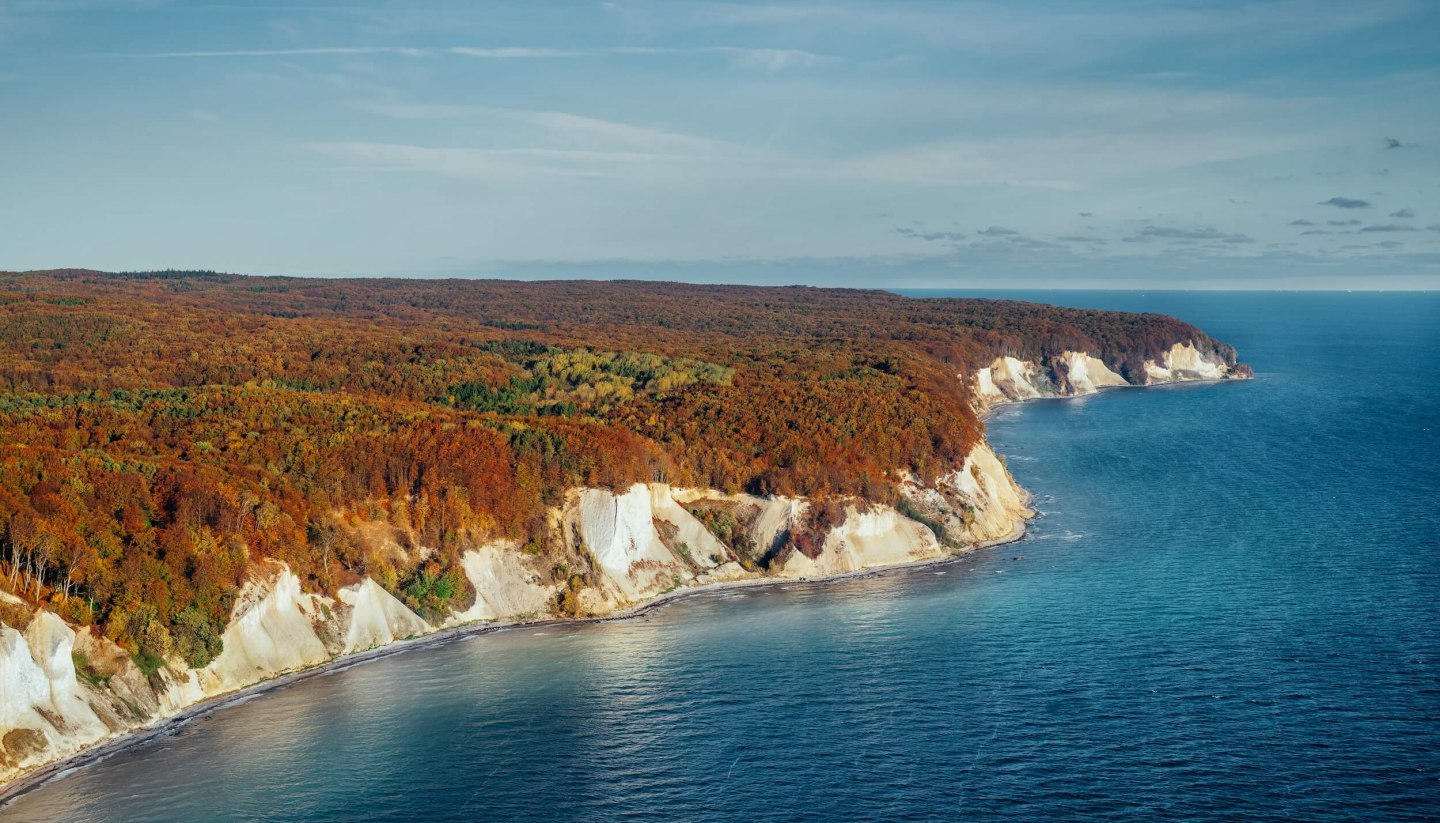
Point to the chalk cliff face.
(44, 711)
(376, 617)
(272, 629)
(640, 542)
(630, 546)
(619, 530)
(1010, 380)
(978, 503)
(506, 587)
(1184, 362)
(47, 712)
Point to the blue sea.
(1229, 610)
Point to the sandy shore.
(169, 725)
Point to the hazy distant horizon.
(858, 281)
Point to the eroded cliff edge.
(65, 690)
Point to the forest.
(163, 432)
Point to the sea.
(1229, 609)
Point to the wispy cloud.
(931, 236)
(772, 59)
(763, 59)
(1346, 203)
(519, 53)
(999, 231)
(1403, 214)
(558, 126)
(336, 50)
(1388, 227)
(1187, 234)
(497, 164)
(1067, 34)
(1064, 162)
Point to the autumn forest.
(161, 432)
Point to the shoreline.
(163, 727)
(139, 736)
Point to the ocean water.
(1230, 609)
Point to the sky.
(1104, 144)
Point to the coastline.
(136, 737)
(165, 726)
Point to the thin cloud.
(1389, 227)
(1302, 222)
(556, 125)
(340, 50)
(772, 60)
(1175, 233)
(1403, 214)
(1351, 222)
(999, 231)
(742, 57)
(932, 236)
(519, 53)
(513, 164)
(1346, 203)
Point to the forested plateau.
(161, 433)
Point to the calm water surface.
(1229, 610)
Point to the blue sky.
(1016, 144)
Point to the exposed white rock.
(878, 536)
(1184, 362)
(619, 531)
(976, 503)
(691, 540)
(376, 618)
(272, 630)
(725, 572)
(997, 502)
(23, 684)
(985, 385)
(1009, 380)
(1088, 375)
(52, 643)
(505, 587)
(182, 688)
(777, 516)
(1019, 380)
(45, 712)
(276, 627)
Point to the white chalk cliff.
(1011, 380)
(642, 542)
(629, 546)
